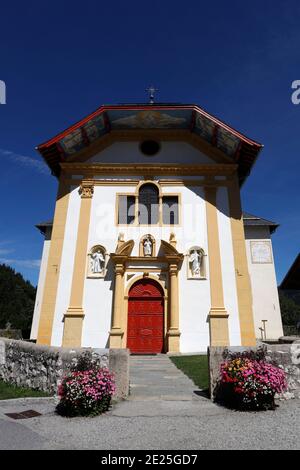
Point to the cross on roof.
(151, 90)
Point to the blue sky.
(61, 60)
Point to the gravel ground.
(150, 424)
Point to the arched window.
(170, 213)
(148, 204)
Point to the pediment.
(182, 148)
(171, 122)
(169, 249)
(125, 249)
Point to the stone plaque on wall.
(261, 252)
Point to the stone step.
(157, 378)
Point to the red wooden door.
(145, 330)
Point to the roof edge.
(155, 106)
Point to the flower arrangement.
(86, 392)
(250, 383)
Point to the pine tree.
(17, 298)
(290, 310)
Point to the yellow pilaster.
(53, 266)
(243, 284)
(116, 332)
(73, 319)
(218, 316)
(173, 330)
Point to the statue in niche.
(147, 245)
(97, 262)
(195, 260)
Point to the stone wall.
(42, 367)
(286, 356)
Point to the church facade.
(148, 248)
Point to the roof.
(108, 118)
(252, 220)
(292, 278)
(42, 226)
(248, 220)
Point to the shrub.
(86, 361)
(86, 392)
(258, 354)
(247, 383)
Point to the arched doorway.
(145, 330)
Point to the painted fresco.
(72, 142)
(90, 131)
(149, 119)
(204, 127)
(95, 127)
(78, 138)
(227, 142)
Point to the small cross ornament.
(151, 90)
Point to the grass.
(195, 367)
(8, 391)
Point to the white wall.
(66, 267)
(98, 293)
(264, 287)
(170, 152)
(228, 268)
(194, 294)
(41, 285)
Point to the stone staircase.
(157, 378)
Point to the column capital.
(173, 269)
(119, 268)
(86, 189)
(174, 260)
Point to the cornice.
(149, 169)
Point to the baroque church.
(149, 248)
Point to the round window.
(149, 147)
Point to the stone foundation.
(286, 356)
(42, 367)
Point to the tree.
(290, 310)
(17, 298)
